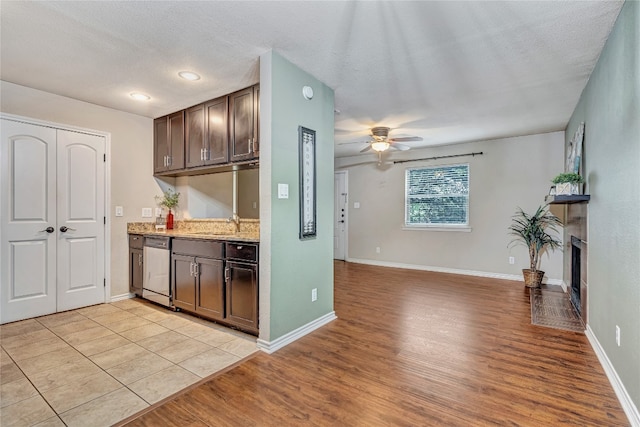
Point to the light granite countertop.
(206, 229)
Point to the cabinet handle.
(169, 158)
(226, 274)
(195, 270)
(240, 247)
(251, 145)
(190, 269)
(206, 154)
(139, 259)
(202, 154)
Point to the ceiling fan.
(380, 140)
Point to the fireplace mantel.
(567, 199)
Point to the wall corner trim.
(275, 345)
(625, 400)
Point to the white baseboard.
(564, 286)
(278, 343)
(121, 297)
(515, 277)
(625, 400)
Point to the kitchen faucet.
(236, 221)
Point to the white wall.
(512, 172)
(132, 183)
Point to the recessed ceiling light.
(189, 75)
(139, 96)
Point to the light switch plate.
(119, 211)
(158, 212)
(283, 191)
(146, 212)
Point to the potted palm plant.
(534, 232)
(568, 183)
(169, 200)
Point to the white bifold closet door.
(52, 220)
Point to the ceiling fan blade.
(354, 142)
(406, 139)
(367, 148)
(400, 147)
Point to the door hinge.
(104, 281)
(104, 157)
(105, 220)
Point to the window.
(437, 196)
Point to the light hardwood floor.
(411, 348)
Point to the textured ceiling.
(446, 71)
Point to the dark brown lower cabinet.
(197, 277)
(184, 282)
(210, 288)
(206, 283)
(136, 264)
(242, 295)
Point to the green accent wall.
(295, 266)
(610, 108)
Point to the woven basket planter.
(532, 278)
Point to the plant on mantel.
(567, 183)
(533, 232)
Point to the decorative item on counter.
(567, 183)
(160, 223)
(533, 232)
(169, 200)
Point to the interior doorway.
(340, 221)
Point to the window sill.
(463, 229)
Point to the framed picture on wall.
(574, 151)
(307, 166)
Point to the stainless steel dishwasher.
(156, 285)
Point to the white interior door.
(52, 207)
(340, 215)
(80, 229)
(28, 209)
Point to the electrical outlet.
(119, 211)
(146, 212)
(618, 335)
(512, 260)
(314, 294)
(377, 249)
(158, 212)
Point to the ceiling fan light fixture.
(380, 146)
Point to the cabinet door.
(136, 271)
(195, 136)
(160, 145)
(176, 141)
(256, 121)
(217, 147)
(242, 295)
(241, 125)
(184, 282)
(210, 300)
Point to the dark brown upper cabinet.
(244, 141)
(168, 143)
(206, 133)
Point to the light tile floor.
(98, 365)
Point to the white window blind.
(437, 196)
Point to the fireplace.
(576, 249)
